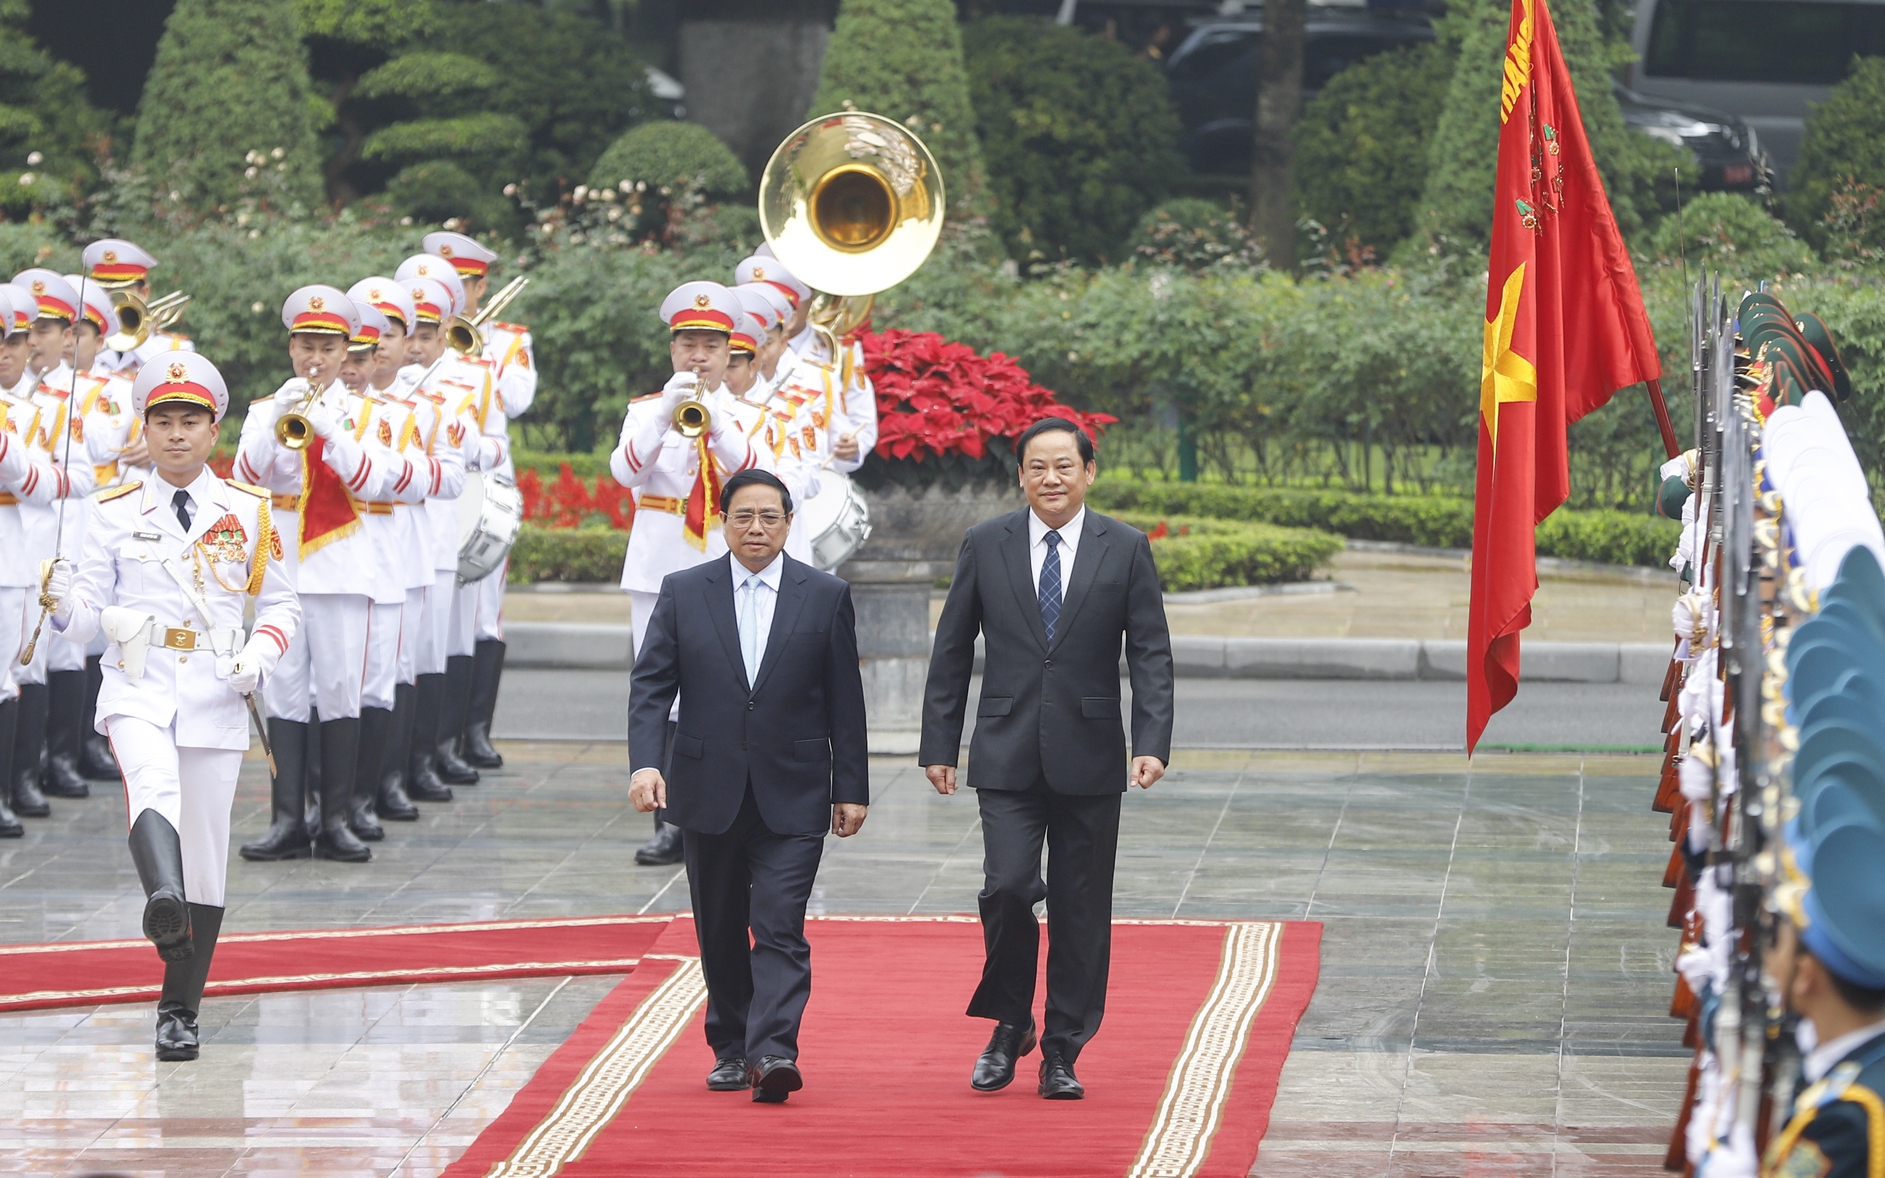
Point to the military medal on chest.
(226, 542)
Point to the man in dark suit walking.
(768, 756)
(1048, 758)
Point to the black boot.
(10, 827)
(64, 717)
(393, 803)
(182, 996)
(312, 791)
(157, 851)
(361, 818)
(96, 762)
(29, 745)
(487, 667)
(453, 768)
(287, 836)
(340, 758)
(422, 776)
(664, 849)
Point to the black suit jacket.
(1051, 711)
(798, 733)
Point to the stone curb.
(582, 646)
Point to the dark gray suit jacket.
(1051, 711)
(798, 733)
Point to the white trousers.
(60, 654)
(193, 789)
(490, 620)
(376, 690)
(435, 627)
(411, 626)
(10, 639)
(463, 634)
(25, 618)
(325, 666)
(641, 607)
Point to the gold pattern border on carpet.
(335, 934)
(1193, 1104)
(599, 1092)
(303, 981)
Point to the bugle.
(293, 430)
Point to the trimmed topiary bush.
(1728, 232)
(1844, 149)
(580, 555)
(1202, 553)
(670, 154)
(1361, 146)
(903, 59)
(230, 82)
(439, 189)
(1080, 137)
(1198, 235)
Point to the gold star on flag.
(1504, 375)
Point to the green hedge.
(1203, 553)
(583, 555)
(1609, 537)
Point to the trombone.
(464, 335)
(137, 319)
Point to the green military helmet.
(1813, 330)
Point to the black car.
(1213, 72)
(1727, 151)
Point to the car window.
(1761, 40)
(1214, 51)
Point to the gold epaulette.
(639, 400)
(117, 492)
(248, 489)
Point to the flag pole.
(1668, 429)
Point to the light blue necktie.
(749, 629)
(1050, 585)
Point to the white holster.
(131, 630)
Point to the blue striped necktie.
(1050, 585)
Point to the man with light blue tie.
(769, 757)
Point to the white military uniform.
(28, 478)
(454, 391)
(116, 264)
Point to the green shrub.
(670, 154)
(48, 129)
(1079, 136)
(1202, 553)
(1429, 521)
(1731, 234)
(1609, 537)
(438, 189)
(1196, 235)
(230, 81)
(903, 59)
(580, 555)
(1844, 144)
(1361, 146)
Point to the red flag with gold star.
(1565, 329)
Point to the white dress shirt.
(764, 585)
(1821, 1059)
(1069, 542)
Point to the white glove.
(680, 387)
(290, 394)
(59, 587)
(323, 422)
(246, 672)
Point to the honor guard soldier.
(53, 525)
(300, 445)
(116, 264)
(169, 567)
(413, 421)
(788, 428)
(677, 448)
(456, 385)
(508, 349)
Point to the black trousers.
(751, 878)
(1082, 838)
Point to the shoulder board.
(646, 397)
(117, 492)
(503, 326)
(248, 489)
(51, 391)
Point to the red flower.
(613, 499)
(1159, 533)
(570, 500)
(530, 486)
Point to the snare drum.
(836, 520)
(490, 510)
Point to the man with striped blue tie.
(1055, 589)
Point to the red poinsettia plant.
(936, 397)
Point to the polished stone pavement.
(1495, 968)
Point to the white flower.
(254, 233)
(33, 159)
(608, 194)
(615, 214)
(175, 195)
(510, 190)
(582, 190)
(249, 172)
(248, 157)
(26, 179)
(405, 220)
(277, 153)
(257, 307)
(626, 186)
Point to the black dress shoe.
(1057, 1082)
(167, 924)
(774, 1078)
(729, 1075)
(176, 1032)
(663, 850)
(995, 1069)
(95, 760)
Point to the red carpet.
(90, 973)
(1179, 1080)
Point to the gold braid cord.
(264, 540)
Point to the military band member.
(789, 428)
(850, 398)
(676, 478)
(508, 350)
(49, 427)
(116, 264)
(320, 492)
(168, 567)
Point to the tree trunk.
(1279, 105)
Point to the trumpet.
(464, 335)
(137, 319)
(293, 430)
(692, 418)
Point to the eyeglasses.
(766, 519)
